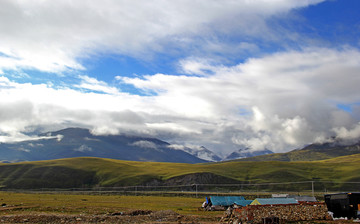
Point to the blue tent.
(229, 200)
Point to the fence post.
(196, 190)
(312, 188)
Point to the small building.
(299, 198)
(303, 198)
(280, 195)
(274, 201)
(344, 204)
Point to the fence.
(303, 187)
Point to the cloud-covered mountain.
(316, 151)
(200, 152)
(246, 153)
(76, 142)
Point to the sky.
(229, 74)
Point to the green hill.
(90, 172)
(311, 153)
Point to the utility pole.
(312, 185)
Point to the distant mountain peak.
(200, 152)
(332, 143)
(246, 153)
(206, 154)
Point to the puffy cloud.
(54, 36)
(279, 102)
(348, 134)
(83, 148)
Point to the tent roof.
(229, 200)
(274, 201)
(243, 202)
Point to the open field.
(67, 208)
(156, 206)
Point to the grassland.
(60, 208)
(99, 204)
(81, 172)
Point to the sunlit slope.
(89, 172)
(311, 153)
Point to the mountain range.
(122, 154)
(78, 142)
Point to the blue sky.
(220, 74)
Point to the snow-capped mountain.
(206, 154)
(199, 152)
(247, 152)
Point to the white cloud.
(54, 36)
(83, 148)
(15, 136)
(176, 147)
(93, 84)
(144, 144)
(280, 102)
(351, 134)
(289, 99)
(22, 149)
(196, 66)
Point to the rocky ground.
(135, 216)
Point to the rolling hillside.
(311, 152)
(89, 172)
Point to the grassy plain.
(99, 205)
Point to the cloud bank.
(280, 102)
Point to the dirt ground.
(136, 216)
